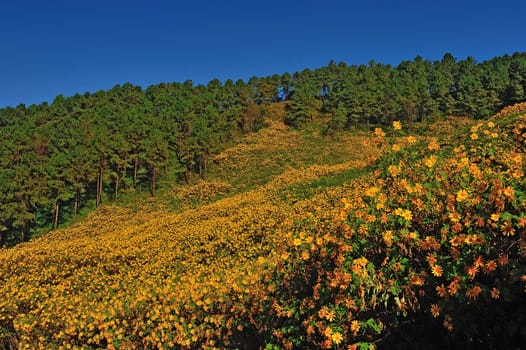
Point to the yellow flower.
(433, 146)
(372, 191)
(397, 125)
(336, 338)
(507, 229)
(473, 293)
(430, 161)
(407, 215)
(474, 136)
(404, 213)
(329, 316)
(388, 238)
(431, 259)
(328, 332)
(435, 310)
(462, 195)
(495, 217)
(411, 139)
(436, 270)
(453, 288)
(517, 158)
(441, 291)
(355, 327)
(360, 261)
(491, 125)
(509, 192)
(395, 147)
(323, 312)
(490, 266)
(418, 188)
(378, 132)
(394, 170)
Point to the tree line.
(56, 158)
(412, 91)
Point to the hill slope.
(328, 255)
(146, 263)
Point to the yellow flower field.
(434, 228)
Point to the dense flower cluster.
(513, 109)
(439, 230)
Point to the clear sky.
(51, 47)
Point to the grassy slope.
(119, 263)
(129, 277)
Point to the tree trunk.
(57, 208)
(99, 186)
(154, 179)
(97, 197)
(76, 206)
(135, 167)
(24, 232)
(202, 166)
(205, 166)
(117, 180)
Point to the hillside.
(289, 249)
(296, 240)
(138, 268)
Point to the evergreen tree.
(304, 105)
(338, 119)
(516, 90)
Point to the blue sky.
(72, 46)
